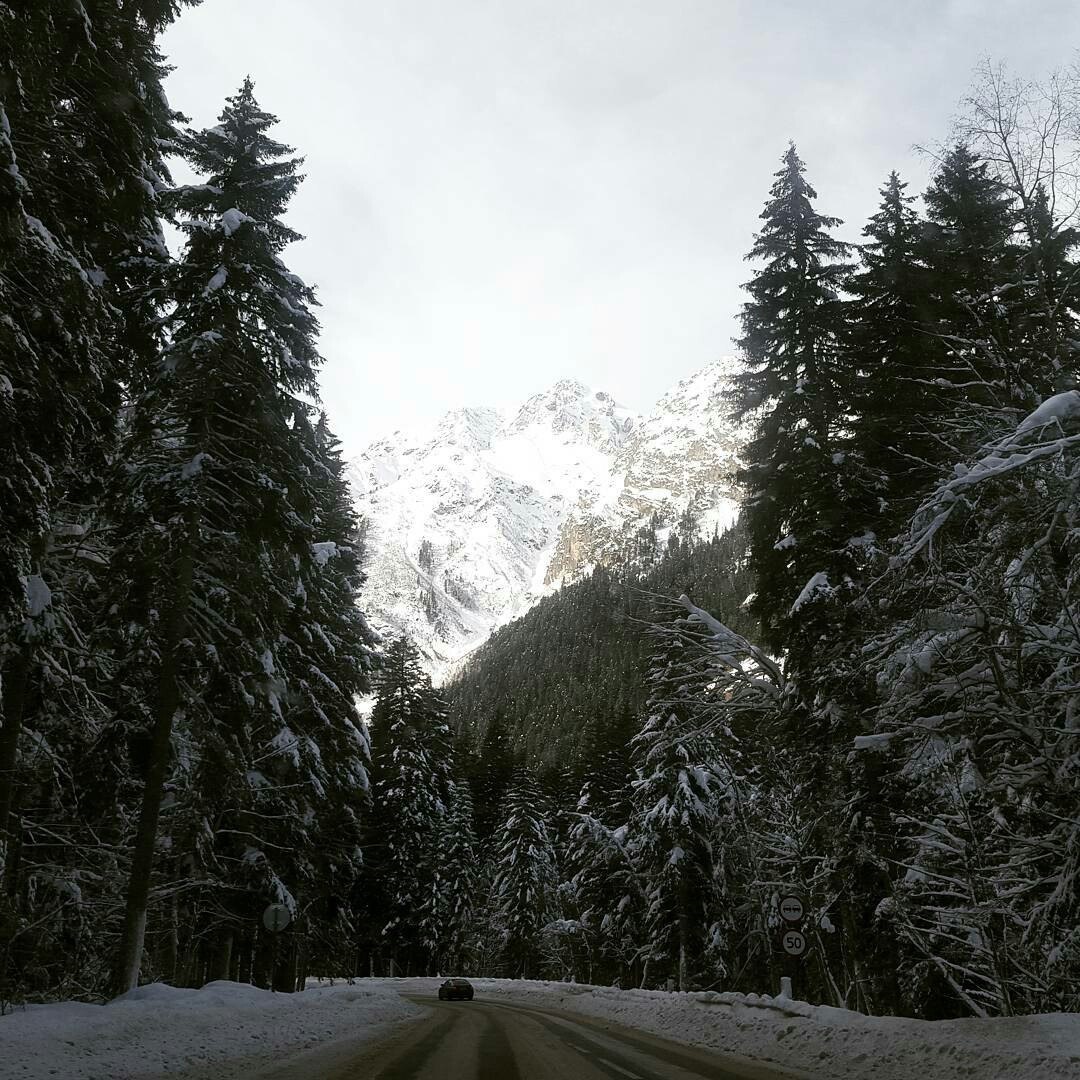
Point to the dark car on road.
(456, 989)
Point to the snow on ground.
(230, 1031)
(833, 1043)
(223, 1030)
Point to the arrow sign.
(791, 909)
(793, 942)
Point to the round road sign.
(276, 917)
(791, 908)
(794, 943)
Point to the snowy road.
(488, 1040)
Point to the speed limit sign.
(794, 943)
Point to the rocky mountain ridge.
(471, 523)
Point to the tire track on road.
(574, 1032)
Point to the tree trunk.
(171, 962)
(15, 680)
(684, 930)
(222, 968)
(302, 963)
(129, 952)
(283, 974)
(261, 960)
(243, 961)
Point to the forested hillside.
(554, 678)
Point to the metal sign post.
(792, 939)
(275, 918)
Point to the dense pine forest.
(180, 645)
(866, 693)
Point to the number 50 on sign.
(794, 943)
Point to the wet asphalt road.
(489, 1040)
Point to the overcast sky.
(501, 193)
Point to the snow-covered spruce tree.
(490, 777)
(972, 274)
(54, 396)
(602, 892)
(454, 885)
(286, 811)
(673, 830)
(599, 886)
(797, 385)
(411, 787)
(768, 836)
(977, 723)
(213, 519)
(525, 874)
(329, 667)
(83, 128)
(734, 693)
(894, 355)
(811, 510)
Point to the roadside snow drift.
(833, 1044)
(224, 1030)
(231, 1031)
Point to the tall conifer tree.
(798, 386)
(83, 130)
(893, 352)
(972, 270)
(214, 502)
(525, 874)
(411, 771)
(674, 821)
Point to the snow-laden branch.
(735, 649)
(1014, 451)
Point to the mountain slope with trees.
(576, 662)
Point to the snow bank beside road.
(833, 1043)
(224, 1030)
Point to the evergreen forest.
(866, 693)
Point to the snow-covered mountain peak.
(572, 409)
(709, 389)
(472, 427)
(474, 520)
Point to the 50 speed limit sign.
(793, 942)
